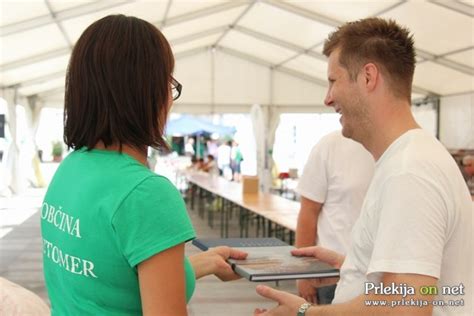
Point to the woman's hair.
(118, 85)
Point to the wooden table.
(273, 215)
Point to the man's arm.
(306, 232)
(306, 229)
(394, 303)
(359, 306)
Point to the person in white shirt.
(189, 147)
(332, 188)
(223, 157)
(411, 248)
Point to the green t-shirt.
(238, 156)
(103, 214)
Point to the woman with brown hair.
(113, 231)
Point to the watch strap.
(303, 308)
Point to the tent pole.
(213, 79)
(33, 114)
(11, 161)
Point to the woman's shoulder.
(156, 186)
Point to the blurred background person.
(235, 161)
(189, 147)
(210, 166)
(332, 188)
(223, 159)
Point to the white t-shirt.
(416, 218)
(337, 174)
(189, 149)
(223, 156)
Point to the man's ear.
(371, 75)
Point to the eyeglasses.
(176, 88)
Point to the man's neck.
(391, 122)
(139, 155)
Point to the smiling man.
(411, 251)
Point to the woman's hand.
(213, 261)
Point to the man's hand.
(213, 261)
(288, 304)
(332, 258)
(307, 290)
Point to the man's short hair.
(468, 160)
(118, 85)
(379, 41)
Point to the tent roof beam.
(70, 13)
(456, 6)
(335, 23)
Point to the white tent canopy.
(233, 54)
(286, 36)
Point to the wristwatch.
(303, 308)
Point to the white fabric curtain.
(33, 114)
(258, 123)
(265, 121)
(10, 163)
(273, 121)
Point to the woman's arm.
(162, 283)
